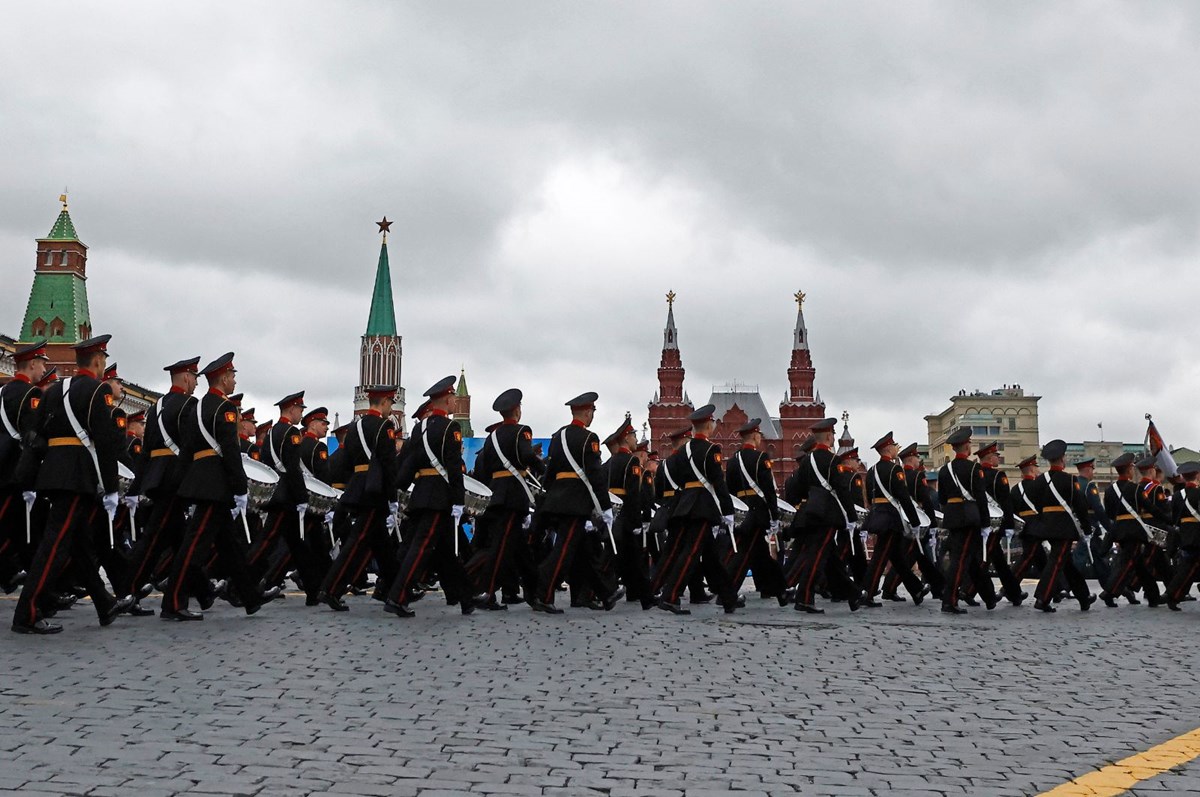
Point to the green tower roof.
(382, 320)
(63, 229)
(462, 383)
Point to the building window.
(38, 328)
(57, 328)
(1012, 424)
(85, 332)
(49, 258)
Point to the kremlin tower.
(671, 407)
(380, 350)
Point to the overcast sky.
(970, 195)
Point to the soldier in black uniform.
(963, 497)
(247, 427)
(1154, 505)
(668, 484)
(795, 492)
(19, 400)
(576, 504)
(369, 465)
(1062, 519)
(505, 464)
(1186, 506)
(288, 505)
(996, 484)
(314, 457)
(79, 475)
(916, 547)
(750, 477)
(158, 477)
(434, 469)
(891, 505)
(703, 511)
(1101, 546)
(1132, 508)
(632, 521)
(1025, 511)
(817, 525)
(215, 482)
(851, 547)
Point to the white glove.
(30, 497)
(240, 502)
(862, 535)
(130, 501)
(301, 508)
(608, 517)
(329, 518)
(1008, 534)
(639, 530)
(389, 522)
(110, 504)
(776, 527)
(587, 526)
(393, 507)
(456, 512)
(728, 521)
(527, 521)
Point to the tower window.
(49, 258)
(38, 328)
(57, 328)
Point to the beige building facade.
(1006, 416)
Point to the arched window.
(38, 328)
(85, 331)
(57, 328)
(376, 363)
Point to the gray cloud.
(971, 194)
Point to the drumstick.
(28, 524)
(246, 526)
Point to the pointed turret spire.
(670, 334)
(800, 334)
(382, 320)
(462, 382)
(64, 228)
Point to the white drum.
(740, 509)
(478, 495)
(124, 477)
(787, 512)
(321, 497)
(262, 480)
(922, 517)
(616, 501)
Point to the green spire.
(382, 320)
(462, 383)
(64, 228)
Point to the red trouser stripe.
(812, 576)
(50, 560)
(500, 554)
(336, 585)
(268, 539)
(150, 559)
(187, 559)
(1052, 576)
(420, 557)
(552, 585)
(953, 596)
(881, 560)
(673, 594)
(664, 560)
(1118, 585)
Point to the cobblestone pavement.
(892, 701)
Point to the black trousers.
(1033, 558)
(158, 538)
(890, 549)
(571, 555)
(754, 553)
(697, 545)
(1134, 558)
(284, 524)
(14, 549)
(211, 526)
(500, 533)
(68, 536)
(631, 559)
(965, 551)
(1187, 568)
(929, 570)
(998, 561)
(368, 536)
(430, 545)
(815, 556)
(1059, 561)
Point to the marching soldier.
(632, 521)
(314, 458)
(135, 430)
(996, 484)
(849, 483)
(1130, 514)
(576, 501)
(891, 506)
(247, 428)
(749, 477)
(434, 469)
(915, 548)
(795, 492)
(1033, 556)
(370, 466)
(79, 475)
(19, 401)
(158, 477)
(215, 482)
(288, 505)
(505, 464)
(1154, 506)
(1100, 543)
(702, 511)
(963, 497)
(1062, 519)
(667, 487)
(1186, 505)
(817, 525)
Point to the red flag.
(1158, 449)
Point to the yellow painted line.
(1122, 776)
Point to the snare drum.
(741, 510)
(478, 495)
(321, 497)
(124, 478)
(616, 501)
(787, 512)
(262, 480)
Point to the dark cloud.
(971, 194)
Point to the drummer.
(314, 457)
(750, 476)
(247, 426)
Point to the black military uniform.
(1133, 510)
(850, 548)
(963, 497)
(1062, 518)
(19, 400)
(569, 503)
(631, 521)
(157, 477)
(434, 469)
(887, 488)
(1025, 512)
(215, 482)
(995, 482)
(1100, 545)
(369, 465)
(79, 475)
(758, 491)
(314, 457)
(702, 511)
(795, 492)
(1186, 507)
(916, 547)
(823, 517)
(281, 450)
(668, 484)
(504, 555)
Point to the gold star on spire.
(800, 297)
(670, 298)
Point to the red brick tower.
(802, 405)
(671, 407)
